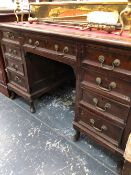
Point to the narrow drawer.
(107, 84)
(106, 106)
(16, 80)
(15, 65)
(10, 35)
(62, 47)
(96, 123)
(109, 58)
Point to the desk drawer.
(107, 84)
(16, 79)
(15, 65)
(106, 106)
(107, 130)
(12, 51)
(11, 36)
(109, 58)
(61, 47)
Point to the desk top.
(54, 29)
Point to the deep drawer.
(105, 129)
(109, 58)
(103, 105)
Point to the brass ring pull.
(111, 86)
(103, 127)
(106, 106)
(12, 65)
(66, 49)
(17, 79)
(36, 44)
(115, 63)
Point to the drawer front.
(61, 47)
(16, 79)
(109, 58)
(107, 84)
(15, 65)
(12, 51)
(107, 130)
(36, 42)
(104, 105)
(11, 36)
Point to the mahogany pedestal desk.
(102, 66)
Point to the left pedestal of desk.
(4, 17)
(3, 77)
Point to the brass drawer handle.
(103, 127)
(106, 106)
(66, 49)
(111, 86)
(56, 47)
(115, 63)
(17, 79)
(12, 37)
(8, 34)
(10, 50)
(30, 41)
(14, 52)
(36, 44)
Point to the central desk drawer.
(13, 51)
(109, 58)
(105, 129)
(104, 105)
(66, 47)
